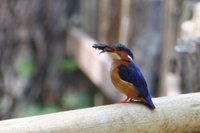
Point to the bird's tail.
(150, 102)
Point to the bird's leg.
(139, 99)
(131, 100)
(127, 100)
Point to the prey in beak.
(103, 48)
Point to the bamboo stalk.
(176, 114)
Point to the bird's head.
(121, 50)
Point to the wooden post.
(189, 53)
(124, 21)
(89, 16)
(109, 21)
(95, 66)
(144, 38)
(172, 19)
(173, 115)
(188, 50)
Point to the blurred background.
(47, 63)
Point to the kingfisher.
(126, 75)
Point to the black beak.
(103, 48)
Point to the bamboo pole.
(175, 114)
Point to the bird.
(126, 75)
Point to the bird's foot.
(127, 100)
(123, 102)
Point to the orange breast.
(123, 86)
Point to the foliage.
(25, 67)
(37, 109)
(79, 99)
(68, 65)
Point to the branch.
(173, 114)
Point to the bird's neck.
(125, 60)
(119, 62)
(124, 56)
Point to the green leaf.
(77, 100)
(68, 65)
(37, 109)
(25, 67)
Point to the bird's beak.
(109, 49)
(103, 48)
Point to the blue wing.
(132, 74)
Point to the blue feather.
(132, 74)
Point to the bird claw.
(127, 100)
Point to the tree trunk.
(145, 38)
(32, 40)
